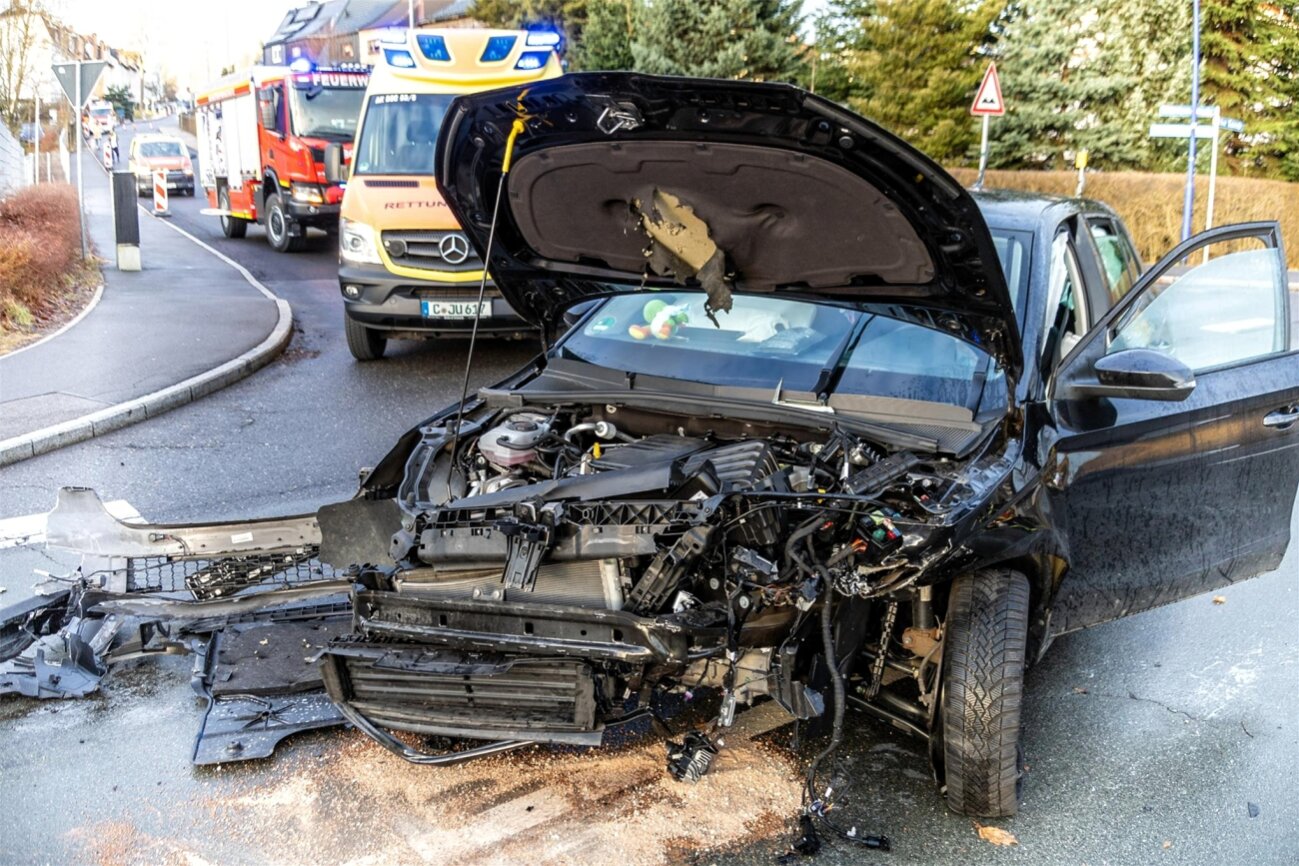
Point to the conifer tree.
(606, 38)
(914, 67)
(750, 39)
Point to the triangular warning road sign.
(988, 100)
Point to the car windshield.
(765, 342)
(399, 133)
(161, 149)
(326, 112)
(101, 112)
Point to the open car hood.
(620, 181)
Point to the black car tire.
(277, 227)
(366, 344)
(231, 227)
(983, 686)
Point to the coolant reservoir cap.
(512, 443)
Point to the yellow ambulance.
(406, 270)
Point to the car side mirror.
(334, 163)
(1139, 374)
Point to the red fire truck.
(262, 136)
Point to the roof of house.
(340, 17)
(333, 18)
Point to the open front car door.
(1177, 457)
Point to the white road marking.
(29, 529)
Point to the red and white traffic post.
(160, 193)
(987, 103)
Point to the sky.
(188, 40)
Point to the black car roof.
(1017, 209)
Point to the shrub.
(1151, 204)
(39, 251)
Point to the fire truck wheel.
(366, 344)
(277, 227)
(231, 227)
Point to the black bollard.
(126, 221)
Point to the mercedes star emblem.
(454, 248)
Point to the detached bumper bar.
(546, 630)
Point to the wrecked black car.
(813, 425)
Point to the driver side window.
(270, 103)
(1225, 308)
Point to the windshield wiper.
(831, 373)
(777, 400)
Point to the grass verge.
(1151, 204)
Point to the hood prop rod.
(516, 128)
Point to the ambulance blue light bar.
(399, 57)
(532, 60)
(498, 48)
(542, 39)
(433, 46)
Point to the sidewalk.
(188, 323)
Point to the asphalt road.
(1146, 739)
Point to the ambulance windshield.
(400, 132)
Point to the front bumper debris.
(248, 600)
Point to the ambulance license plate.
(454, 309)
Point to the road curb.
(163, 400)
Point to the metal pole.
(983, 155)
(1188, 201)
(1213, 170)
(1213, 177)
(36, 135)
(410, 13)
(81, 201)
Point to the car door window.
(1223, 309)
(1119, 263)
(270, 103)
(1066, 303)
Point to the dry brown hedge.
(40, 252)
(1151, 204)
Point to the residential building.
(336, 32)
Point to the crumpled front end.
(556, 574)
(542, 577)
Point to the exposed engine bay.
(557, 571)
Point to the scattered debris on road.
(995, 835)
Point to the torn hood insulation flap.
(622, 181)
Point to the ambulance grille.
(430, 250)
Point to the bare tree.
(20, 27)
